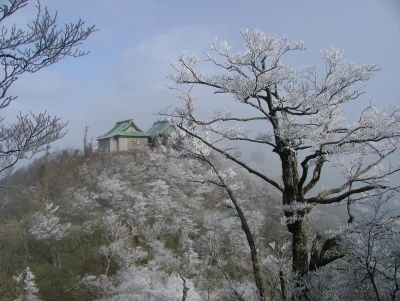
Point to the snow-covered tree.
(373, 245)
(27, 280)
(235, 216)
(299, 115)
(47, 227)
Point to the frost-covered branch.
(28, 136)
(299, 113)
(27, 279)
(43, 44)
(373, 244)
(47, 226)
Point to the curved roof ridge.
(158, 127)
(120, 128)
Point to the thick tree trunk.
(299, 231)
(297, 227)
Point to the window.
(135, 141)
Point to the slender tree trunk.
(55, 257)
(22, 237)
(251, 243)
(185, 288)
(283, 286)
(246, 229)
(396, 285)
(372, 278)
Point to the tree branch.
(232, 158)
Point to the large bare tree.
(40, 45)
(300, 116)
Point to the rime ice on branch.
(300, 116)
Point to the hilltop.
(82, 223)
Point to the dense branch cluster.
(302, 110)
(299, 115)
(38, 46)
(42, 45)
(151, 225)
(27, 135)
(188, 220)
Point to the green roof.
(159, 127)
(122, 128)
(127, 128)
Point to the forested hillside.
(148, 226)
(136, 224)
(190, 218)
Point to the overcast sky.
(124, 75)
